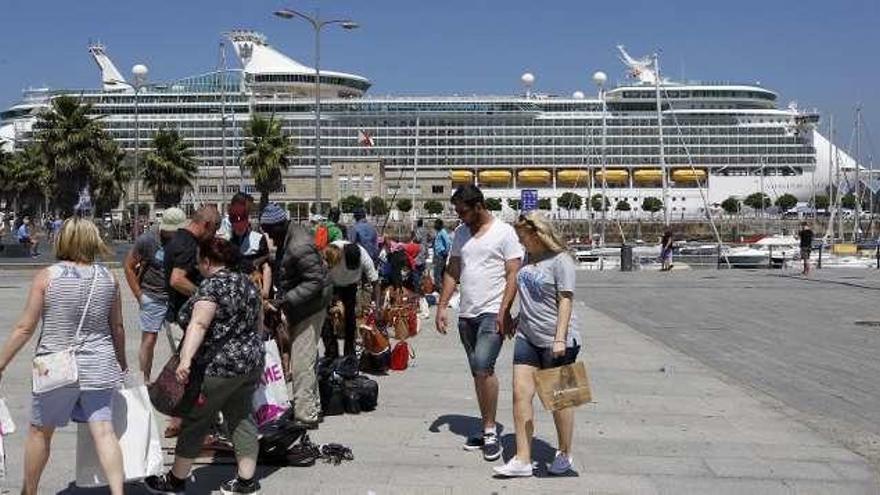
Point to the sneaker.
(165, 484)
(474, 442)
(514, 469)
(236, 486)
(561, 464)
(492, 448)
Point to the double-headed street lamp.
(600, 78)
(139, 72)
(317, 24)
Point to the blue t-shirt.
(23, 232)
(365, 234)
(442, 243)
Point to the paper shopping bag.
(134, 421)
(563, 387)
(271, 398)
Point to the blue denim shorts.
(481, 342)
(524, 352)
(57, 407)
(153, 313)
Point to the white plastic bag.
(134, 421)
(7, 426)
(271, 398)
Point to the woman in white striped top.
(59, 295)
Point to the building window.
(437, 189)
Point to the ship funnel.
(110, 75)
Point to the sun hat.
(172, 219)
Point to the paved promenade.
(663, 422)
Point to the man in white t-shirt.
(484, 259)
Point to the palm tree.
(24, 177)
(112, 179)
(72, 144)
(265, 154)
(170, 168)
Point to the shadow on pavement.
(463, 426)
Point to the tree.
(544, 204)
(786, 202)
(652, 205)
(622, 205)
(596, 203)
(821, 203)
(570, 201)
(848, 201)
(265, 154)
(493, 204)
(73, 146)
(349, 203)
(731, 205)
(433, 207)
(404, 205)
(755, 200)
(169, 169)
(112, 179)
(514, 204)
(24, 177)
(377, 206)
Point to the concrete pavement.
(662, 422)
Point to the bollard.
(770, 258)
(626, 258)
(819, 263)
(878, 256)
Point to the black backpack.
(276, 438)
(375, 363)
(332, 391)
(367, 391)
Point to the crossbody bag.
(58, 369)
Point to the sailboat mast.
(660, 141)
(858, 206)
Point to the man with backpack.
(484, 258)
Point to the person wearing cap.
(253, 246)
(364, 234)
(145, 272)
(273, 223)
(240, 198)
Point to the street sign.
(528, 200)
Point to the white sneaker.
(514, 469)
(561, 464)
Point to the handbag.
(167, 394)
(58, 369)
(401, 355)
(564, 386)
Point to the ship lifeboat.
(461, 176)
(573, 177)
(648, 176)
(495, 177)
(613, 176)
(688, 175)
(533, 177)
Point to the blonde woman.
(73, 290)
(545, 338)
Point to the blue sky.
(822, 54)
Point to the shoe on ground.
(474, 442)
(236, 487)
(305, 425)
(561, 464)
(491, 447)
(514, 469)
(163, 484)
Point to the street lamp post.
(599, 78)
(139, 72)
(317, 25)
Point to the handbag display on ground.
(563, 387)
(58, 369)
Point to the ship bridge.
(266, 70)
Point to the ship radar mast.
(641, 69)
(110, 75)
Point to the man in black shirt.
(182, 275)
(806, 237)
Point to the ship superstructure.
(719, 137)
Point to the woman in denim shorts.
(59, 296)
(545, 338)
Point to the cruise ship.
(719, 139)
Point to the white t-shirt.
(342, 276)
(482, 266)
